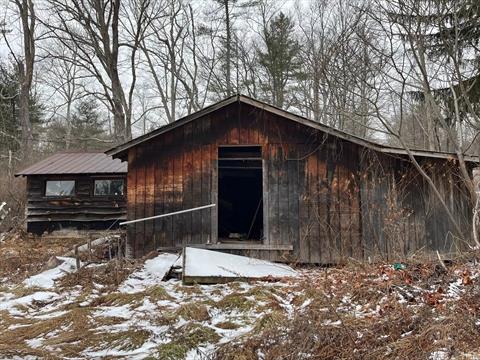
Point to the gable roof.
(76, 163)
(120, 150)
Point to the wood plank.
(206, 170)
(140, 203)
(235, 246)
(188, 179)
(323, 205)
(150, 244)
(161, 173)
(304, 221)
(313, 196)
(243, 126)
(273, 194)
(293, 200)
(197, 187)
(131, 196)
(283, 195)
(177, 202)
(214, 193)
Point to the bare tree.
(168, 55)
(94, 29)
(25, 67)
(64, 79)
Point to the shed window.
(109, 187)
(60, 188)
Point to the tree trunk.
(24, 112)
(229, 44)
(25, 72)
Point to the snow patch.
(46, 279)
(153, 272)
(39, 296)
(207, 263)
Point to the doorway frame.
(215, 179)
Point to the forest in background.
(91, 74)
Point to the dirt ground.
(409, 310)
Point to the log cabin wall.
(329, 198)
(83, 211)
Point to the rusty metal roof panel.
(76, 163)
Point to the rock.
(51, 263)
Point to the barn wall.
(311, 199)
(400, 212)
(83, 211)
(329, 198)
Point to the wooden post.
(476, 209)
(77, 259)
(89, 245)
(119, 248)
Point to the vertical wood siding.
(325, 196)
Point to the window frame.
(60, 196)
(95, 195)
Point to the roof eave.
(120, 151)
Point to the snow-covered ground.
(145, 316)
(104, 311)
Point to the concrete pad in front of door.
(208, 267)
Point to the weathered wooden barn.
(77, 190)
(286, 188)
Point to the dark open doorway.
(240, 193)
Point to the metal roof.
(120, 151)
(76, 163)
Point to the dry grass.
(235, 301)
(23, 254)
(109, 275)
(357, 311)
(227, 325)
(373, 312)
(124, 340)
(193, 312)
(63, 331)
(186, 338)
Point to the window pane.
(60, 188)
(109, 187)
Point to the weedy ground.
(356, 311)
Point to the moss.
(193, 311)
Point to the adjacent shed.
(286, 188)
(78, 190)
